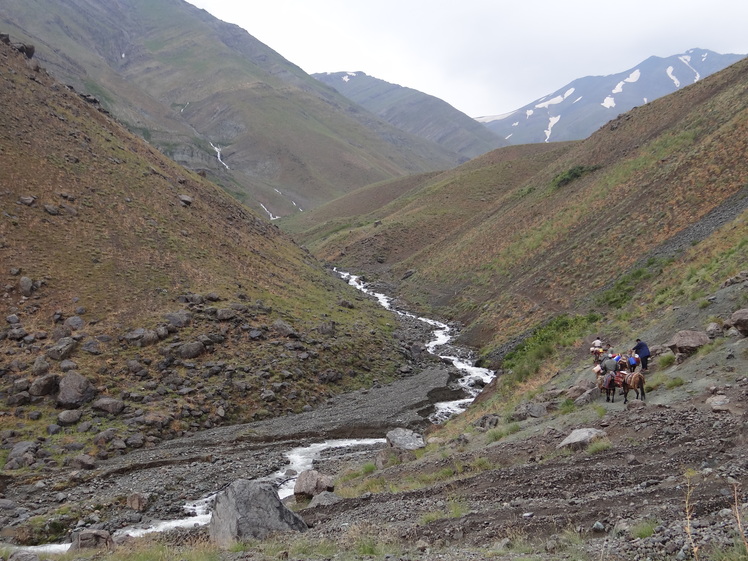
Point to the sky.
(485, 57)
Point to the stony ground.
(676, 463)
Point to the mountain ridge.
(576, 110)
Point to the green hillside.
(515, 237)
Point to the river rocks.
(23, 556)
(579, 439)
(405, 439)
(311, 482)
(92, 539)
(688, 342)
(75, 390)
(138, 501)
(250, 510)
(325, 498)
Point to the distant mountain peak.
(581, 107)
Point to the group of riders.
(618, 370)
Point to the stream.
(302, 458)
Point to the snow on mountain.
(583, 106)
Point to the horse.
(634, 381)
(609, 382)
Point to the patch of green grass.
(598, 446)
(666, 361)
(643, 529)
(498, 433)
(562, 331)
(600, 411)
(567, 407)
(623, 289)
(673, 383)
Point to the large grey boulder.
(75, 390)
(688, 342)
(405, 439)
(311, 482)
(579, 439)
(250, 510)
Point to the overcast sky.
(485, 57)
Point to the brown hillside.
(174, 298)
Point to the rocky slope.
(667, 480)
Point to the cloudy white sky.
(485, 57)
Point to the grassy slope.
(502, 248)
(119, 244)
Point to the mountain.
(163, 295)
(415, 112)
(578, 109)
(213, 98)
(523, 234)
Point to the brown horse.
(634, 381)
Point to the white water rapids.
(302, 458)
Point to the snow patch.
(529, 112)
(609, 102)
(685, 59)
(491, 118)
(555, 100)
(515, 124)
(218, 154)
(670, 74)
(552, 121)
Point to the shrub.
(571, 174)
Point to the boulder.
(109, 404)
(192, 349)
(739, 320)
(529, 409)
(714, 330)
(75, 390)
(62, 349)
(688, 342)
(182, 318)
(405, 439)
(69, 417)
(138, 501)
(74, 323)
(45, 385)
(311, 483)
(26, 286)
(579, 439)
(92, 539)
(325, 498)
(250, 510)
(40, 367)
(587, 397)
(83, 461)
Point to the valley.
(163, 338)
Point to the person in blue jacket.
(642, 350)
